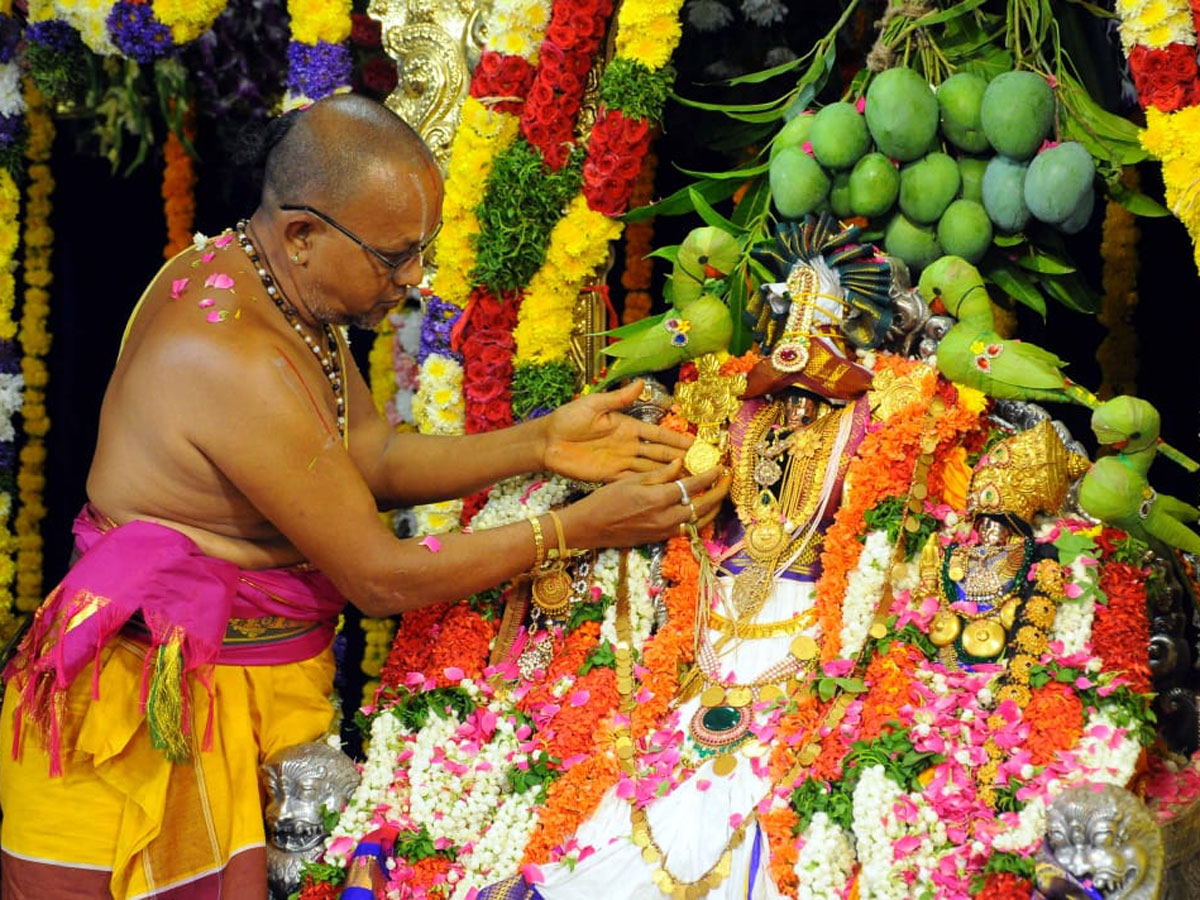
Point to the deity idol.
(872, 676)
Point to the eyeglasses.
(394, 263)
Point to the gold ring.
(692, 506)
(683, 529)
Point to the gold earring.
(295, 257)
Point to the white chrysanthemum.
(825, 862)
(864, 587)
(376, 783)
(764, 12)
(708, 15)
(12, 102)
(1103, 758)
(12, 396)
(437, 518)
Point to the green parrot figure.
(699, 322)
(974, 354)
(1115, 490)
(703, 326)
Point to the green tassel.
(164, 703)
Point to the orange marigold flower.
(1056, 718)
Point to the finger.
(708, 504)
(656, 434)
(640, 464)
(664, 474)
(660, 452)
(698, 484)
(619, 399)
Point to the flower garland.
(178, 188)
(35, 344)
(89, 19)
(1118, 352)
(12, 385)
(1159, 39)
(12, 102)
(318, 54)
(639, 242)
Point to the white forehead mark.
(419, 189)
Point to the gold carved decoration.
(588, 320)
(436, 44)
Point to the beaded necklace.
(329, 358)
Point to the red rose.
(379, 75)
(483, 392)
(541, 94)
(365, 31)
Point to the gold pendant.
(738, 697)
(1008, 613)
(956, 573)
(984, 639)
(701, 457)
(945, 628)
(804, 648)
(552, 591)
(713, 696)
(769, 693)
(765, 540)
(724, 765)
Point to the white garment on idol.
(691, 826)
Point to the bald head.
(338, 148)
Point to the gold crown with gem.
(1026, 474)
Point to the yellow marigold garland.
(35, 343)
(187, 19)
(1155, 23)
(178, 189)
(10, 206)
(578, 245)
(319, 20)
(482, 134)
(647, 33)
(1118, 352)
(1174, 138)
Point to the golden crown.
(1026, 474)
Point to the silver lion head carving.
(1100, 836)
(304, 783)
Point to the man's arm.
(588, 440)
(254, 419)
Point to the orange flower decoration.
(779, 824)
(1121, 631)
(178, 189)
(1056, 718)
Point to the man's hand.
(589, 439)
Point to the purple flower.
(440, 318)
(317, 70)
(137, 33)
(10, 128)
(54, 34)
(10, 36)
(236, 66)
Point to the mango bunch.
(936, 171)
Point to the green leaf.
(989, 65)
(711, 216)
(753, 206)
(851, 685)
(1019, 286)
(1072, 293)
(1038, 261)
(826, 689)
(740, 174)
(741, 339)
(680, 202)
(1136, 202)
(767, 74)
(730, 108)
(1106, 136)
(670, 254)
(953, 12)
(1008, 240)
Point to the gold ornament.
(984, 639)
(709, 403)
(552, 591)
(945, 628)
(1025, 474)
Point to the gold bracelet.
(561, 552)
(539, 544)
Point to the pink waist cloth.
(191, 608)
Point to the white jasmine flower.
(764, 12)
